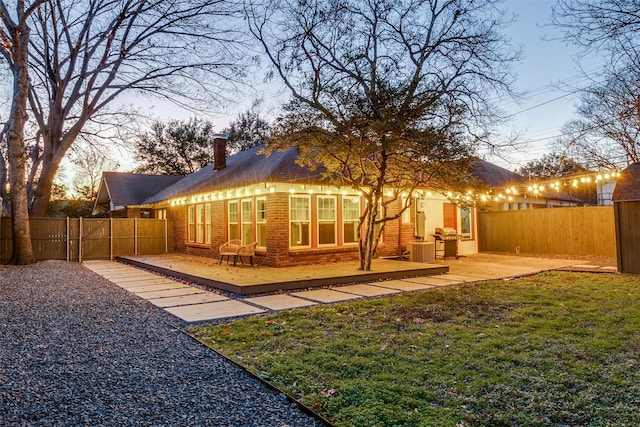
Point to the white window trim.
(297, 221)
(356, 221)
(335, 220)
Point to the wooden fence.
(81, 239)
(562, 231)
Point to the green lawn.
(557, 348)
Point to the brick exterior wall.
(278, 254)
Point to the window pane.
(200, 223)
(207, 221)
(191, 224)
(247, 222)
(327, 233)
(465, 222)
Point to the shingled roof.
(120, 189)
(494, 175)
(245, 168)
(628, 185)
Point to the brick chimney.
(219, 152)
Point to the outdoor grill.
(446, 242)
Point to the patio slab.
(368, 290)
(432, 281)
(403, 285)
(326, 295)
(137, 289)
(280, 302)
(213, 310)
(187, 300)
(186, 290)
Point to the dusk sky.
(547, 63)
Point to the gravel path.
(77, 350)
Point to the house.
(294, 216)
(123, 194)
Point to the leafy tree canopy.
(175, 148)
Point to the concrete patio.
(195, 304)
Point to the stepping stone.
(367, 290)
(326, 295)
(137, 289)
(213, 310)
(150, 279)
(187, 300)
(279, 302)
(439, 280)
(186, 290)
(403, 285)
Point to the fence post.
(80, 240)
(135, 235)
(68, 240)
(110, 238)
(166, 237)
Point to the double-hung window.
(261, 222)
(327, 220)
(199, 223)
(247, 222)
(350, 219)
(234, 231)
(299, 221)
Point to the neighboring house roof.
(245, 168)
(496, 176)
(120, 189)
(628, 185)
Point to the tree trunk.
(22, 248)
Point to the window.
(377, 228)
(299, 221)
(326, 220)
(191, 224)
(350, 219)
(406, 214)
(161, 214)
(247, 222)
(234, 232)
(261, 222)
(465, 223)
(207, 222)
(199, 223)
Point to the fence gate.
(81, 239)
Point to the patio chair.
(234, 248)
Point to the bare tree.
(247, 130)
(387, 95)
(607, 132)
(14, 46)
(72, 59)
(89, 163)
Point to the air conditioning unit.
(421, 252)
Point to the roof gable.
(129, 189)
